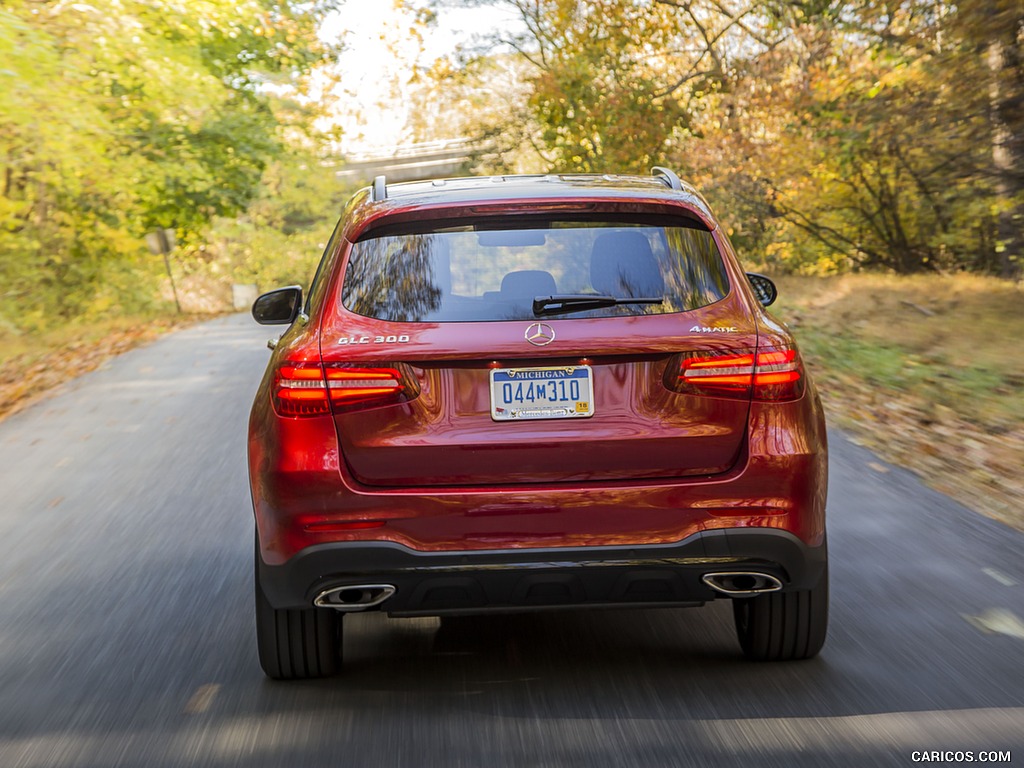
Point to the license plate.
(565, 392)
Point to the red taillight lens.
(300, 390)
(311, 389)
(779, 375)
(350, 386)
(728, 374)
(765, 374)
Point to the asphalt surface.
(127, 638)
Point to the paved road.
(126, 635)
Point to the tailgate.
(448, 436)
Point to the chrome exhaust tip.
(354, 597)
(742, 583)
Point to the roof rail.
(380, 189)
(668, 176)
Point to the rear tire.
(783, 626)
(296, 644)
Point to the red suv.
(515, 393)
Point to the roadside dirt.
(27, 377)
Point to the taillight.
(350, 387)
(300, 390)
(778, 375)
(765, 374)
(312, 389)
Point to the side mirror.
(279, 307)
(764, 288)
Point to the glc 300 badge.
(403, 339)
(540, 334)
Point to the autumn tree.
(865, 147)
(831, 134)
(615, 84)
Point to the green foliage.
(286, 227)
(121, 116)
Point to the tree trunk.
(1006, 114)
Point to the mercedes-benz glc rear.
(522, 393)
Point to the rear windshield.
(490, 272)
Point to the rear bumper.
(439, 583)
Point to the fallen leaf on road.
(998, 621)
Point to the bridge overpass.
(413, 162)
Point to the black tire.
(297, 644)
(783, 626)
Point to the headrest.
(440, 263)
(622, 265)
(528, 283)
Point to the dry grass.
(928, 371)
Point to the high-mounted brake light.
(312, 389)
(767, 374)
(516, 208)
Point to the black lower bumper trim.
(438, 583)
(471, 582)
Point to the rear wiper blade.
(581, 302)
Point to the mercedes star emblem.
(540, 334)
